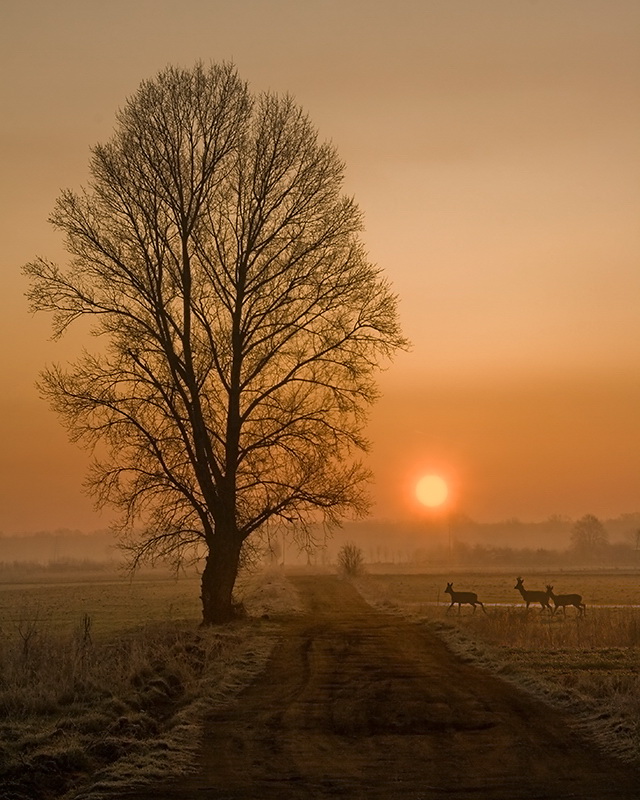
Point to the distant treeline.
(455, 539)
(463, 541)
(63, 548)
(466, 555)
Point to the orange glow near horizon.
(432, 491)
(520, 390)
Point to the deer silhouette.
(533, 596)
(564, 600)
(462, 598)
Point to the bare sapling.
(533, 596)
(564, 600)
(351, 560)
(463, 598)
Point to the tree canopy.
(589, 536)
(242, 323)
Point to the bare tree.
(589, 536)
(242, 322)
(351, 560)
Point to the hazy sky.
(494, 147)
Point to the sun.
(432, 490)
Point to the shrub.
(351, 560)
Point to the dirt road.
(358, 704)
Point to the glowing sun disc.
(432, 491)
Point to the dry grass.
(113, 601)
(111, 679)
(123, 707)
(497, 588)
(588, 665)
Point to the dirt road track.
(358, 704)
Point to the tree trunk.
(218, 580)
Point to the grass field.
(597, 588)
(113, 602)
(108, 677)
(589, 665)
(111, 678)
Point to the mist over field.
(453, 541)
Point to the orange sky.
(494, 148)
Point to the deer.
(533, 597)
(462, 598)
(564, 600)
